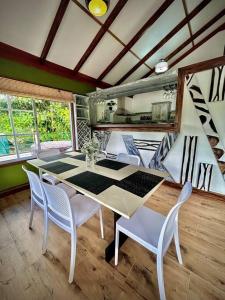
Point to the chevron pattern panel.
(83, 132)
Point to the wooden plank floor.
(26, 274)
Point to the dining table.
(120, 187)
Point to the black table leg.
(110, 249)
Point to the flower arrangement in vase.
(90, 149)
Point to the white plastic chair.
(129, 159)
(68, 214)
(155, 232)
(37, 193)
(45, 176)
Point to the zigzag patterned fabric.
(206, 120)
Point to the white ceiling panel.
(25, 24)
(191, 4)
(102, 55)
(133, 17)
(210, 11)
(180, 53)
(213, 27)
(170, 46)
(138, 74)
(205, 52)
(124, 65)
(74, 35)
(103, 18)
(168, 20)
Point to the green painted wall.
(19, 71)
(13, 175)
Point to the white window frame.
(36, 134)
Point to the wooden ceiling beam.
(109, 31)
(12, 53)
(194, 12)
(54, 28)
(208, 37)
(197, 34)
(137, 36)
(189, 25)
(117, 9)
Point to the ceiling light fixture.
(98, 8)
(161, 67)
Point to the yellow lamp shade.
(97, 7)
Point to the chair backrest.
(35, 187)
(58, 204)
(47, 153)
(129, 159)
(170, 223)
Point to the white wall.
(143, 102)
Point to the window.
(29, 125)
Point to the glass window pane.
(7, 146)
(5, 125)
(3, 102)
(25, 144)
(82, 113)
(23, 121)
(53, 121)
(23, 103)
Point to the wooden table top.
(122, 188)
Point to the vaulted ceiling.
(63, 37)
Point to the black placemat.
(58, 167)
(91, 182)
(139, 183)
(54, 157)
(79, 157)
(111, 164)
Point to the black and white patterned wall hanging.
(204, 176)
(206, 120)
(83, 132)
(188, 159)
(131, 147)
(162, 151)
(147, 145)
(217, 86)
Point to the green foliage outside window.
(53, 121)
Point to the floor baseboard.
(212, 195)
(14, 190)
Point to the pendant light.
(161, 67)
(98, 8)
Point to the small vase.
(90, 161)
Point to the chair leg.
(177, 245)
(45, 237)
(117, 246)
(160, 277)
(73, 256)
(101, 223)
(32, 213)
